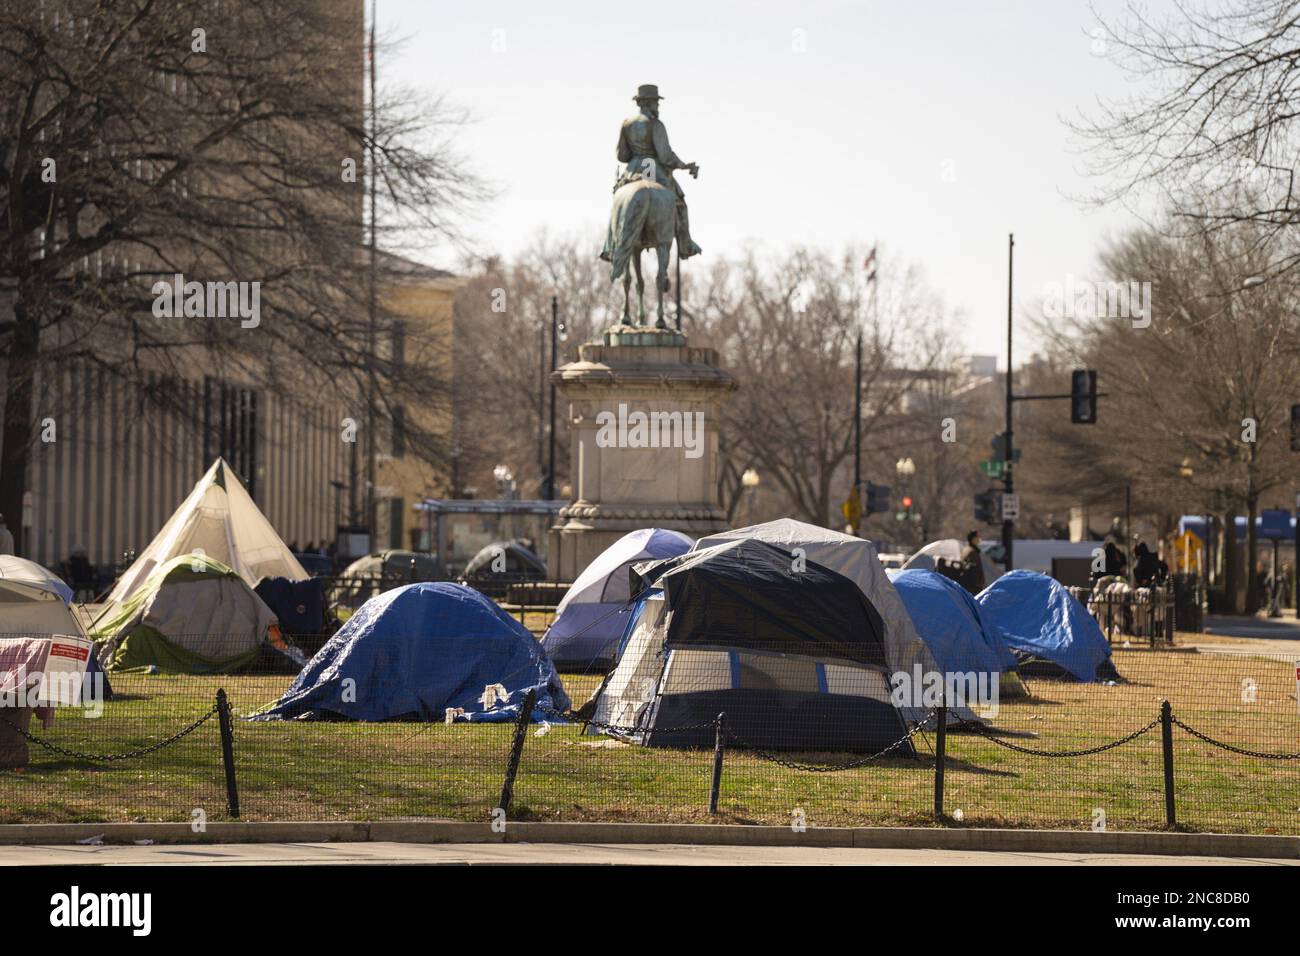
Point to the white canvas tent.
(950, 549)
(591, 618)
(220, 521)
(33, 601)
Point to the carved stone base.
(643, 409)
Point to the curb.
(448, 831)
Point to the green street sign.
(991, 469)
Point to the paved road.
(538, 853)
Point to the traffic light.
(1295, 427)
(877, 499)
(986, 507)
(1083, 396)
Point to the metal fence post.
(940, 759)
(517, 749)
(1171, 613)
(1167, 745)
(228, 751)
(719, 745)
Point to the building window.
(399, 431)
(398, 345)
(230, 429)
(396, 514)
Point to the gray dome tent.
(792, 652)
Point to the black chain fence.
(1044, 752)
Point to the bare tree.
(787, 329)
(1213, 131)
(222, 142)
(1196, 406)
(503, 357)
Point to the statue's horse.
(644, 217)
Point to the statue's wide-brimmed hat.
(647, 91)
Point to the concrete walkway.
(1268, 628)
(1277, 638)
(342, 854)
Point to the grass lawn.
(297, 770)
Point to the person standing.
(972, 564)
(1146, 569)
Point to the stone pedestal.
(643, 409)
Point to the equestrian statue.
(649, 206)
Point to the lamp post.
(505, 481)
(749, 481)
(559, 333)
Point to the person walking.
(972, 564)
(1116, 563)
(6, 538)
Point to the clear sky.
(931, 127)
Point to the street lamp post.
(505, 481)
(749, 481)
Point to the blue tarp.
(951, 624)
(1034, 613)
(417, 650)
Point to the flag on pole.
(870, 265)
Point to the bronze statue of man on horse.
(649, 207)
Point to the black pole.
(1008, 485)
(517, 749)
(1275, 591)
(228, 752)
(550, 467)
(719, 745)
(1167, 745)
(1128, 533)
(1295, 565)
(940, 759)
(857, 433)
(372, 329)
(541, 400)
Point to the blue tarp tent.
(951, 624)
(1033, 613)
(418, 650)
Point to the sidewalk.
(344, 854)
(1252, 636)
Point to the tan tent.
(193, 616)
(219, 521)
